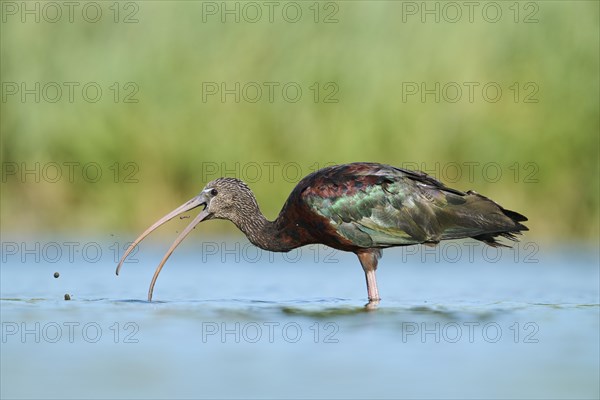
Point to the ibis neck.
(268, 235)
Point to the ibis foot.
(372, 305)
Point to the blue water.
(228, 321)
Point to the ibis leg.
(368, 260)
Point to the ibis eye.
(214, 192)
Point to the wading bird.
(359, 207)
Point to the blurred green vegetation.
(175, 139)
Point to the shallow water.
(229, 321)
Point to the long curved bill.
(179, 239)
(189, 205)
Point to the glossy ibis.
(359, 207)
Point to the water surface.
(235, 323)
